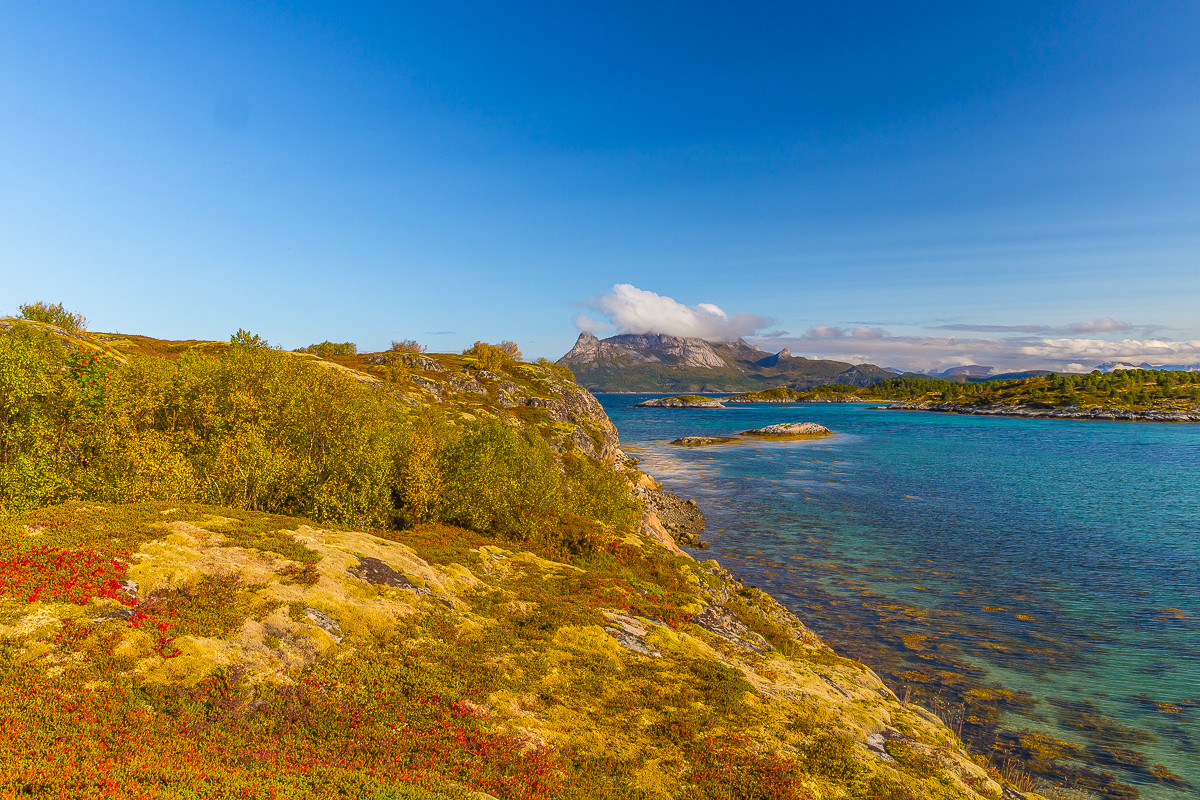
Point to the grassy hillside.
(231, 571)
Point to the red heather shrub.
(51, 573)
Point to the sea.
(1036, 583)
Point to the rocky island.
(781, 430)
(681, 401)
(790, 429)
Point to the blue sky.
(917, 184)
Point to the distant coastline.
(1025, 412)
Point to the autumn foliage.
(261, 429)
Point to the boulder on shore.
(791, 429)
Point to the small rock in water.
(699, 441)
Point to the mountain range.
(654, 362)
(651, 362)
(1113, 366)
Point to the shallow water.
(1037, 582)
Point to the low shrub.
(561, 371)
(494, 357)
(595, 492)
(502, 482)
(326, 349)
(54, 315)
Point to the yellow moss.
(656, 781)
(198, 659)
(35, 651)
(694, 606)
(43, 614)
(161, 565)
(458, 577)
(134, 643)
(590, 639)
(546, 565)
(678, 643)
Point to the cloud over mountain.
(633, 310)
(1063, 347)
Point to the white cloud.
(585, 323)
(1152, 350)
(818, 333)
(633, 310)
(1004, 354)
(1099, 325)
(866, 332)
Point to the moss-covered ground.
(161, 650)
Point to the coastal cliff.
(508, 617)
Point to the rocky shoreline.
(1070, 412)
(681, 518)
(841, 398)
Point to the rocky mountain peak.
(643, 348)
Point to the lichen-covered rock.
(430, 386)
(577, 405)
(421, 362)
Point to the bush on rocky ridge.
(54, 314)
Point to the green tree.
(245, 338)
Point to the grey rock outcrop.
(791, 429)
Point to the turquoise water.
(1036, 581)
